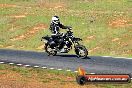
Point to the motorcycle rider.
(55, 25)
(55, 28)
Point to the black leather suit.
(56, 36)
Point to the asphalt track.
(93, 64)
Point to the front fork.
(75, 48)
(76, 44)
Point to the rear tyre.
(50, 50)
(81, 51)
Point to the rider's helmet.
(55, 20)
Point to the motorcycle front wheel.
(50, 50)
(81, 51)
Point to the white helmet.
(55, 19)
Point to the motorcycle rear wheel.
(49, 50)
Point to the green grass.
(88, 18)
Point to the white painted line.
(92, 73)
(11, 63)
(2, 62)
(59, 69)
(76, 71)
(119, 57)
(68, 70)
(19, 64)
(36, 66)
(122, 57)
(26, 65)
(44, 67)
(51, 68)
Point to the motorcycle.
(63, 43)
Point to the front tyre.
(50, 50)
(81, 51)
